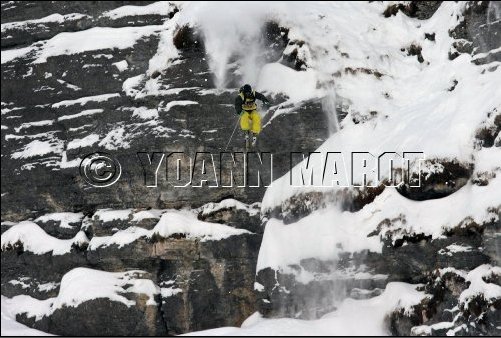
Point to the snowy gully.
(252, 169)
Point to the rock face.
(84, 102)
(471, 313)
(202, 283)
(113, 98)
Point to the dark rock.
(442, 305)
(215, 278)
(415, 9)
(353, 71)
(445, 178)
(276, 39)
(292, 56)
(478, 32)
(401, 323)
(54, 229)
(235, 217)
(186, 38)
(487, 134)
(429, 36)
(454, 84)
(39, 269)
(301, 205)
(416, 50)
(24, 285)
(102, 317)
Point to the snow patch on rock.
(34, 239)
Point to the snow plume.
(232, 33)
(493, 12)
(329, 109)
(487, 32)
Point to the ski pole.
(236, 124)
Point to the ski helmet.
(247, 88)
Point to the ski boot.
(254, 140)
(247, 141)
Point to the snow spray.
(233, 41)
(329, 108)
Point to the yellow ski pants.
(250, 120)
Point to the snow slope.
(10, 327)
(327, 232)
(408, 108)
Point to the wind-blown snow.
(227, 33)
(298, 86)
(352, 318)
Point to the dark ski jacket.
(239, 101)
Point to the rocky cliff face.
(82, 77)
(139, 77)
(113, 99)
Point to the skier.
(245, 106)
